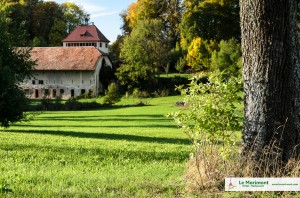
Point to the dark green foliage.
(39, 42)
(15, 66)
(215, 20)
(180, 65)
(228, 59)
(106, 75)
(112, 95)
(70, 105)
(41, 23)
(73, 105)
(115, 51)
(164, 86)
(73, 15)
(144, 51)
(137, 93)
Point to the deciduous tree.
(73, 15)
(144, 51)
(44, 15)
(168, 11)
(210, 20)
(199, 54)
(271, 72)
(15, 66)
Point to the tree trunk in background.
(271, 73)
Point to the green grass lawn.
(117, 152)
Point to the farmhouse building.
(71, 70)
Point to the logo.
(230, 185)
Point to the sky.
(104, 13)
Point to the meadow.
(123, 151)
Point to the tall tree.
(15, 66)
(73, 15)
(44, 15)
(210, 20)
(144, 51)
(169, 11)
(271, 72)
(19, 15)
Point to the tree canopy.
(144, 51)
(43, 23)
(15, 66)
(194, 29)
(210, 20)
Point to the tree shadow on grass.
(107, 136)
(142, 117)
(101, 125)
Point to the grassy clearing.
(117, 152)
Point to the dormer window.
(84, 33)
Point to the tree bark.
(271, 73)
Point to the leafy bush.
(209, 119)
(211, 116)
(112, 94)
(137, 93)
(161, 93)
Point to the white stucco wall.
(61, 82)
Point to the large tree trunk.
(271, 73)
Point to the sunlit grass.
(117, 152)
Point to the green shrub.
(137, 93)
(180, 65)
(112, 94)
(210, 116)
(209, 119)
(161, 93)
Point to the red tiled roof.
(86, 33)
(65, 58)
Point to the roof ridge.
(95, 35)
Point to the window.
(82, 91)
(90, 92)
(106, 45)
(61, 92)
(33, 82)
(36, 93)
(46, 92)
(54, 93)
(41, 82)
(72, 93)
(100, 44)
